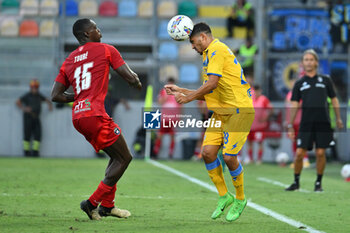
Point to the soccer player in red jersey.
(86, 69)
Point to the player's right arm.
(59, 95)
(171, 89)
(130, 76)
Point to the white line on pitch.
(274, 182)
(255, 206)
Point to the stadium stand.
(127, 8)
(9, 28)
(188, 8)
(49, 8)
(186, 52)
(48, 28)
(29, 28)
(145, 9)
(189, 73)
(163, 30)
(108, 9)
(88, 8)
(29, 7)
(214, 11)
(71, 8)
(168, 50)
(9, 7)
(166, 9)
(166, 71)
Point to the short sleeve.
(24, 98)
(296, 93)
(216, 63)
(162, 93)
(114, 57)
(330, 88)
(62, 77)
(42, 98)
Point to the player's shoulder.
(300, 81)
(325, 77)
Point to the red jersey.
(87, 70)
(262, 107)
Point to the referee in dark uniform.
(30, 104)
(315, 128)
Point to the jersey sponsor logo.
(299, 142)
(320, 85)
(151, 120)
(249, 92)
(82, 106)
(116, 131)
(305, 86)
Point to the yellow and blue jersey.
(233, 92)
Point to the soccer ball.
(180, 27)
(282, 158)
(345, 171)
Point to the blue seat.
(128, 8)
(189, 73)
(71, 8)
(168, 50)
(163, 30)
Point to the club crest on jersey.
(151, 120)
(116, 131)
(320, 79)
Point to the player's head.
(257, 89)
(34, 85)
(171, 80)
(201, 37)
(85, 30)
(310, 60)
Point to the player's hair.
(200, 27)
(171, 80)
(312, 52)
(80, 26)
(257, 87)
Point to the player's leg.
(250, 138)
(158, 144)
(235, 135)
(120, 158)
(215, 171)
(37, 137)
(172, 144)
(260, 140)
(298, 167)
(320, 166)
(26, 135)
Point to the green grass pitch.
(43, 195)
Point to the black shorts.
(319, 133)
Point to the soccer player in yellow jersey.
(228, 94)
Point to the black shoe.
(293, 187)
(27, 153)
(35, 153)
(90, 210)
(318, 187)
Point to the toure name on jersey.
(81, 57)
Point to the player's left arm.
(336, 108)
(130, 76)
(335, 102)
(198, 94)
(59, 95)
